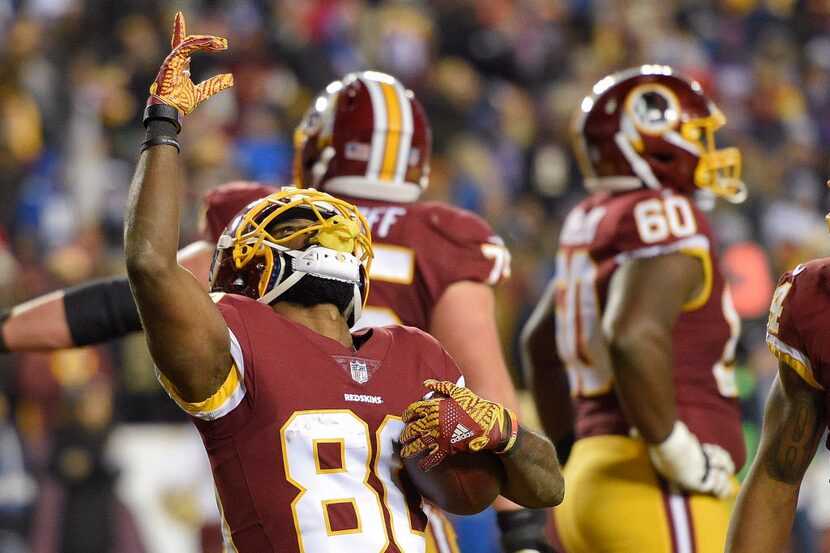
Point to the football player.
(796, 412)
(639, 326)
(365, 139)
(276, 382)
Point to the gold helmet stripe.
(393, 132)
(379, 116)
(393, 127)
(407, 131)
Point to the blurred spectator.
(17, 487)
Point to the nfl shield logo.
(360, 372)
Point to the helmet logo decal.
(653, 108)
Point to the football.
(465, 483)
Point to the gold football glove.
(458, 421)
(173, 86)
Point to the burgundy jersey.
(302, 436)
(600, 234)
(420, 250)
(798, 326)
(222, 203)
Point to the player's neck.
(324, 319)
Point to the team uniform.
(797, 328)
(616, 501)
(301, 436)
(420, 250)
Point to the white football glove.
(682, 459)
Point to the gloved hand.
(173, 86)
(458, 421)
(522, 531)
(682, 459)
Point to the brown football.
(463, 484)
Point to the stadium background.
(499, 81)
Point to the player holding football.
(367, 140)
(364, 139)
(275, 381)
(795, 415)
(640, 320)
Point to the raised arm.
(644, 300)
(794, 421)
(186, 334)
(548, 379)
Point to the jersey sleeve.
(651, 224)
(458, 246)
(783, 337)
(234, 391)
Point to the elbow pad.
(101, 310)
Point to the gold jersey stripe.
(213, 402)
(792, 358)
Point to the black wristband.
(5, 314)
(162, 112)
(100, 310)
(161, 141)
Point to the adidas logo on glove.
(461, 432)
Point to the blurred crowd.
(499, 80)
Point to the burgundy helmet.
(651, 126)
(365, 136)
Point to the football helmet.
(651, 126)
(251, 261)
(365, 136)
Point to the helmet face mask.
(649, 126)
(365, 136)
(254, 255)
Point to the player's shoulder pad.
(455, 223)
(410, 334)
(808, 282)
